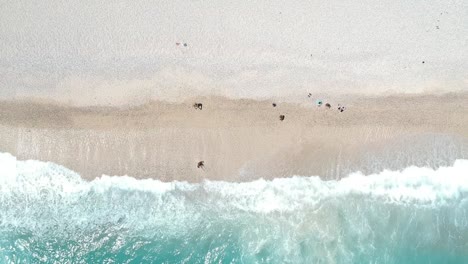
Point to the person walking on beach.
(201, 165)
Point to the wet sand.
(240, 140)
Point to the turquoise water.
(50, 215)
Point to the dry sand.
(240, 140)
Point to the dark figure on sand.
(198, 106)
(274, 105)
(341, 108)
(281, 117)
(201, 164)
(327, 105)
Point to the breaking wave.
(50, 214)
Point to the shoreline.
(239, 140)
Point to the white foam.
(412, 185)
(422, 186)
(319, 220)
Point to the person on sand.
(274, 104)
(341, 108)
(201, 165)
(198, 106)
(281, 117)
(327, 105)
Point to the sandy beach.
(240, 140)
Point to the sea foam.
(50, 214)
(423, 186)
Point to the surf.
(414, 215)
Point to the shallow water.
(50, 215)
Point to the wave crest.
(424, 186)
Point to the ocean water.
(49, 214)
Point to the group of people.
(319, 103)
